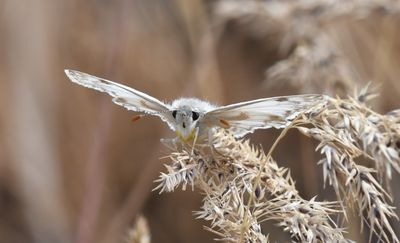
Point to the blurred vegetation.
(73, 168)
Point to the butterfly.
(194, 118)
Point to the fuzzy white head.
(188, 114)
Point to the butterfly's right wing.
(246, 117)
(125, 96)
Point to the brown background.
(73, 168)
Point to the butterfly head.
(188, 114)
(185, 123)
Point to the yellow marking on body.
(190, 137)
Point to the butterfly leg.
(210, 134)
(170, 143)
(196, 134)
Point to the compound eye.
(174, 114)
(195, 115)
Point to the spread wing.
(125, 96)
(278, 112)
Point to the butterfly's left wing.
(278, 112)
(125, 96)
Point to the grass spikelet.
(243, 187)
(349, 131)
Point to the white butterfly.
(191, 117)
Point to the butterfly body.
(188, 114)
(193, 118)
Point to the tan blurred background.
(74, 168)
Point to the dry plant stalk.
(314, 66)
(140, 232)
(243, 187)
(312, 62)
(348, 130)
